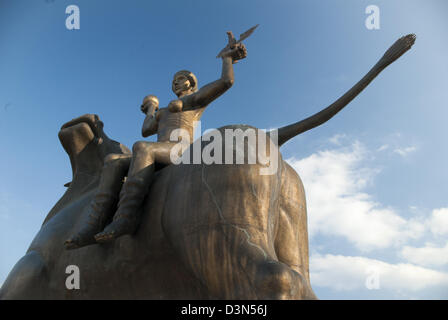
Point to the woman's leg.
(135, 188)
(105, 199)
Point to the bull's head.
(87, 145)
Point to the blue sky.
(375, 175)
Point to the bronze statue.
(206, 231)
(180, 114)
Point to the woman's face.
(181, 84)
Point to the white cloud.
(438, 223)
(345, 273)
(337, 204)
(405, 151)
(336, 139)
(383, 147)
(429, 255)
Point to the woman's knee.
(141, 147)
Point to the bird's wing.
(232, 41)
(246, 34)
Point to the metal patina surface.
(139, 227)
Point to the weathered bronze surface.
(139, 167)
(206, 231)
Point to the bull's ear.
(67, 184)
